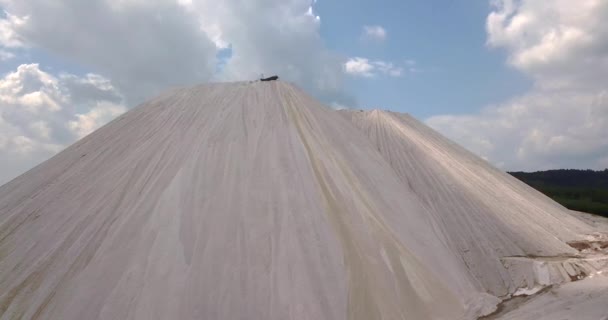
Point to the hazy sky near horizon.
(521, 83)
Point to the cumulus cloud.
(363, 67)
(145, 46)
(9, 39)
(41, 113)
(540, 130)
(375, 33)
(562, 121)
(101, 113)
(274, 37)
(8, 24)
(359, 67)
(559, 43)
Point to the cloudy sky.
(522, 83)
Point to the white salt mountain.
(489, 217)
(254, 201)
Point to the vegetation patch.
(580, 190)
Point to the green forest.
(581, 190)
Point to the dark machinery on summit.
(273, 78)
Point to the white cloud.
(6, 55)
(363, 67)
(100, 114)
(412, 67)
(359, 67)
(142, 46)
(8, 37)
(338, 106)
(562, 121)
(275, 37)
(40, 114)
(539, 130)
(559, 43)
(376, 33)
(145, 46)
(388, 68)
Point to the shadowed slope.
(226, 201)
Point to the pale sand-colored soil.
(585, 299)
(598, 222)
(254, 201)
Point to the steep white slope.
(232, 201)
(491, 219)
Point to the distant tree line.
(581, 190)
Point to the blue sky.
(447, 39)
(521, 83)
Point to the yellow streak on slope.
(368, 298)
